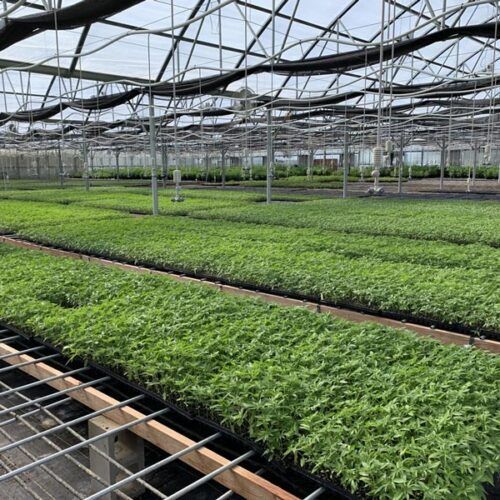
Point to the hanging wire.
(381, 74)
(59, 79)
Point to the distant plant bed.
(434, 171)
(287, 174)
(14, 214)
(138, 200)
(232, 174)
(202, 174)
(37, 183)
(454, 221)
(304, 182)
(483, 172)
(380, 411)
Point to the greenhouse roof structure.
(220, 71)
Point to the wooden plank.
(238, 479)
(488, 345)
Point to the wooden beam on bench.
(240, 480)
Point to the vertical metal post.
(380, 78)
(270, 157)
(223, 167)
(207, 161)
(442, 165)
(309, 170)
(86, 175)
(345, 165)
(20, 165)
(152, 152)
(401, 163)
(270, 148)
(164, 164)
(474, 164)
(498, 162)
(4, 173)
(117, 158)
(177, 180)
(38, 170)
(47, 163)
(61, 168)
(125, 447)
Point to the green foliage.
(434, 171)
(483, 172)
(299, 182)
(283, 173)
(138, 200)
(193, 173)
(439, 281)
(454, 221)
(376, 409)
(355, 252)
(15, 215)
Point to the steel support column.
(223, 167)
(86, 175)
(442, 164)
(270, 157)
(60, 164)
(152, 152)
(474, 163)
(401, 157)
(345, 165)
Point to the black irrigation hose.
(288, 474)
